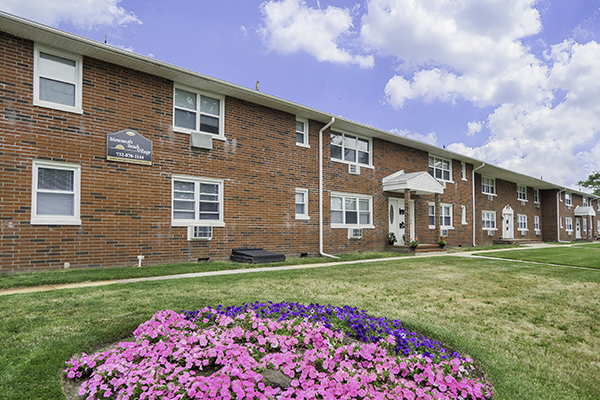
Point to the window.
(440, 169)
(488, 185)
(432, 216)
(536, 195)
(348, 209)
(584, 221)
(350, 148)
(521, 193)
(568, 199)
(197, 201)
(302, 132)
(488, 220)
(302, 204)
(536, 223)
(463, 215)
(446, 216)
(55, 193)
(57, 79)
(463, 171)
(568, 223)
(585, 202)
(522, 222)
(198, 112)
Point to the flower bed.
(228, 353)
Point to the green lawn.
(534, 329)
(582, 255)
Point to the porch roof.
(420, 183)
(585, 211)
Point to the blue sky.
(511, 82)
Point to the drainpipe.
(473, 180)
(321, 252)
(558, 214)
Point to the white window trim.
(536, 196)
(463, 170)
(77, 108)
(431, 204)
(221, 135)
(526, 228)
(305, 143)
(304, 216)
(491, 185)
(463, 215)
(569, 203)
(204, 222)
(357, 196)
(495, 228)
(451, 180)
(569, 222)
(344, 133)
(522, 193)
(536, 221)
(585, 201)
(451, 226)
(56, 219)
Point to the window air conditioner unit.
(538, 233)
(523, 233)
(355, 233)
(197, 232)
(491, 233)
(444, 232)
(354, 169)
(490, 197)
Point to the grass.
(534, 329)
(57, 277)
(581, 255)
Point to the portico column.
(407, 217)
(438, 215)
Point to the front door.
(397, 222)
(577, 228)
(508, 223)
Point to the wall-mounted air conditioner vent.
(355, 233)
(490, 197)
(196, 232)
(354, 169)
(490, 233)
(444, 232)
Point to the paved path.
(261, 269)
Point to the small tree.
(592, 182)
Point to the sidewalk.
(469, 253)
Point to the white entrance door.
(508, 223)
(577, 228)
(397, 221)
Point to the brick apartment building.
(107, 155)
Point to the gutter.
(321, 252)
(473, 180)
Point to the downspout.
(473, 180)
(558, 214)
(321, 252)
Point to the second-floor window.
(521, 193)
(440, 169)
(58, 79)
(488, 185)
(536, 195)
(302, 132)
(350, 148)
(568, 199)
(198, 112)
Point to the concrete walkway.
(265, 269)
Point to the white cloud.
(84, 14)
(291, 26)
(474, 127)
(430, 138)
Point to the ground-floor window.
(569, 224)
(197, 201)
(431, 209)
(302, 203)
(536, 223)
(55, 193)
(584, 222)
(463, 215)
(446, 216)
(488, 220)
(522, 222)
(351, 210)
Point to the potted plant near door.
(414, 243)
(391, 238)
(442, 242)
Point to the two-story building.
(107, 155)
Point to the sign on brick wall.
(128, 146)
